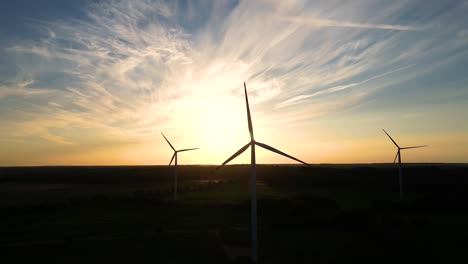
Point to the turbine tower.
(398, 155)
(175, 163)
(253, 180)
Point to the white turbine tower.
(398, 155)
(175, 163)
(253, 180)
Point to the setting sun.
(105, 81)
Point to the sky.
(90, 82)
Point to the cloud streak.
(338, 88)
(128, 69)
(321, 22)
(21, 89)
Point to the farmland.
(322, 214)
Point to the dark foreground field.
(322, 214)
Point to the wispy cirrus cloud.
(338, 88)
(321, 22)
(21, 89)
(127, 69)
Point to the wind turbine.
(253, 180)
(175, 163)
(398, 155)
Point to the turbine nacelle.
(263, 145)
(175, 151)
(398, 154)
(253, 188)
(252, 138)
(174, 157)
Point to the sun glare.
(220, 125)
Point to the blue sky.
(94, 82)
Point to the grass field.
(323, 214)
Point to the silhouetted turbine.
(175, 163)
(398, 155)
(253, 180)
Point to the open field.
(322, 214)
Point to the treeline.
(101, 174)
(429, 179)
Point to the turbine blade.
(187, 149)
(235, 155)
(265, 146)
(249, 118)
(415, 147)
(173, 156)
(396, 156)
(391, 138)
(168, 142)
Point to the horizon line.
(237, 164)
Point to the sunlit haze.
(95, 82)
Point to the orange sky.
(97, 84)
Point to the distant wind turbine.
(398, 155)
(253, 180)
(175, 163)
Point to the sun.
(221, 126)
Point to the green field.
(323, 214)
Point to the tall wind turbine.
(175, 163)
(398, 155)
(253, 180)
